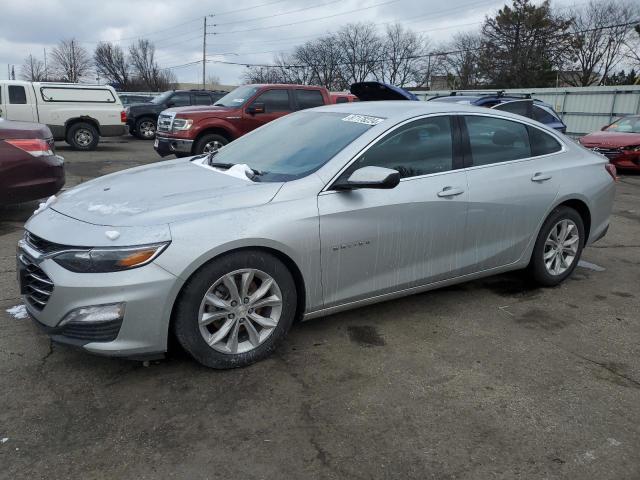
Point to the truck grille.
(610, 153)
(35, 285)
(164, 122)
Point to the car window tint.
(180, 99)
(203, 99)
(342, 100)
(495, 140)
(542, 143)
(309, 98)
(274, 100)
(417, 148)
(17, 94)
(542, 116)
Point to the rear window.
(542, 116)
(309, 98)
(17, 94)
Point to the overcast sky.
(248, 31)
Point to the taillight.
(34, 146)
(611, 170)
(123, 116)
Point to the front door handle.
(540, 177)
(450, 192)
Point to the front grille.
(35, 285)
(164, 122)
(610, 153)
(42, 245)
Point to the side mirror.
(370, 177)
(257, 107)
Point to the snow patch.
(19, 312)
(4, 440)
(239, 170)
(112, 234)
(45, 204)
(113, 209)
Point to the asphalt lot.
(490, 379)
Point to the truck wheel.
(146, 128)
(209, 143)
(82, 136)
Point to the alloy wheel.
(83, 137)
(561, 247)
(240, 311)
(212, 146)
(147, 129)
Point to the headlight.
(102, 260)
(182, 123)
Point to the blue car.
(514, 103)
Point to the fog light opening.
(95, 314)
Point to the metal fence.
(583, 109)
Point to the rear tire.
(558, 248)
(209, 143)
(222, 329)
(82, 136)
(146, 128)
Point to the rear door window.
(496, 140)
(182, 99)
(308, 99)
(17, 95)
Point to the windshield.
(158, 99)
(237, 97)
(625, 125)
(294, 146)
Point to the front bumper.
(146, 292)
(167, 146)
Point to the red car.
(619, 142)
(29, 167)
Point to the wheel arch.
(81, 119)
(583, 210)
(217, 130)
(276, 252)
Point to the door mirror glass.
(256, 107)
(371, 177)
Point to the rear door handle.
(450, 192)
(540, 177)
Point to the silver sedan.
(323, 210)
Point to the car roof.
(399, 110)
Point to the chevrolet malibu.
(321, 211)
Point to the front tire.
(209, 143)
(82, 136)
(236, 309)
(558, 247)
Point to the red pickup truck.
(186, 131)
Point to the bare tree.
(111, 63)
(319, 62)
(145, 68)
(599, 34)
(212, 80)
(402, 51)
(70, 61)
(361, 51)
(263, 75)
(461, 60)
(33, 70)
(632, 48)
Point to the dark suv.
(521, 104)
(142, 118)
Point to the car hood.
(161, 193)
(11, 129)
(374, 91)
(198, 109)
(610, 139)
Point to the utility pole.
(46, 74)
(204, 52)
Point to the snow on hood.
(162, 193)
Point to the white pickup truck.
(79, 114)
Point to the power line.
(277, 14)
(308, 20)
